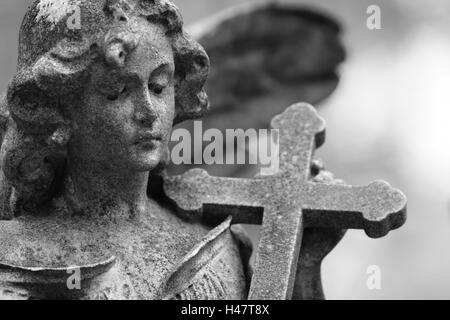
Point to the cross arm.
(216, 198)
(376, 208)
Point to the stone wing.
(263, 59)
(267, 57)
(215, 269)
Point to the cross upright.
(287, 202)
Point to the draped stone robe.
(121, 258)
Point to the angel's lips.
(148, 140)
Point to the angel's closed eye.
(160, 79)
(157, 88)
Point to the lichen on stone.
(55, 10)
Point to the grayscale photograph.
(224, 150)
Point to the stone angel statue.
(86, 122)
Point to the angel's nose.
(145, 111)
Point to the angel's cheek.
(103, 129)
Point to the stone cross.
(287, 202)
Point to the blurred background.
(388, 119)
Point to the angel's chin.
(145, 160)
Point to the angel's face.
(127, 112)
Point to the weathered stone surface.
(289, 201)
(86, 119)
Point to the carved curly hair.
(53, 66)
